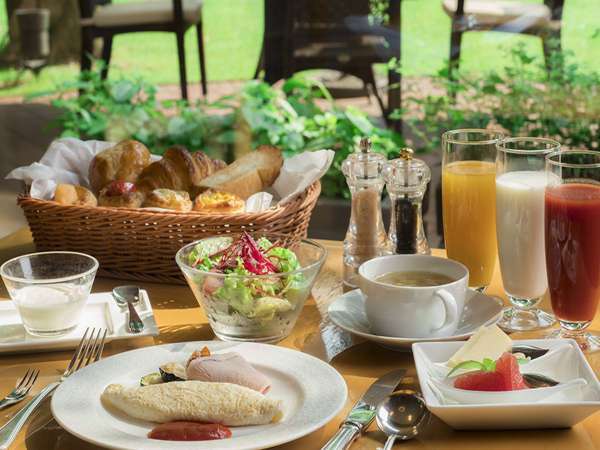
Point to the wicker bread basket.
(139, 244)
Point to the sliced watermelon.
(505, 377)
(508, 366)
(480, 381)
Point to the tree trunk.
(64, 30)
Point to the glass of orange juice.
(469, 201)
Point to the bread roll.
(124, 162)
(168, 199)
(178, 170)
(218, 202)
(248, 175)
(120, 194)
(72, 194)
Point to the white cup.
(413, 312)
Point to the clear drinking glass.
(572, 225)
(469, 201)
(49, 289)
(521, 180)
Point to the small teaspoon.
(401, 416)
(129, 295)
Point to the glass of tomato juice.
(572, 235)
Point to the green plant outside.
(563, 104)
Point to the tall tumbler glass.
(572, 210)
(521, 179)
(469, 201)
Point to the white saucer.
(348, 313)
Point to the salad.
(260, 278)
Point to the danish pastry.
(121, 194)
(218, 202)
(169, 199)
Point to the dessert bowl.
(564, 408)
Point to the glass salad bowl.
(252, 288)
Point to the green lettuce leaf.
(204, 249)
(284, 259)
(235, 293)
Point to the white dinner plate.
(563, 409)
(312, 393)
(348, 313)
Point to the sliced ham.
(227, 368)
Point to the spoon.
(536, 380)
(401, 416)
(129, 295)
(530, 351)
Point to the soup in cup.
(413, 296)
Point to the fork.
(21, 389)
(89, 350)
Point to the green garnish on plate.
(487, 365)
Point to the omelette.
(224, 403)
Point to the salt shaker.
(366, 237)
(406, 181)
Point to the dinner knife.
(363, 412)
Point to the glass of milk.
(49, 289)
(520, 183)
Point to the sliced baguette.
(250, 174)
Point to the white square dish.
(100, 311)
(555, 412)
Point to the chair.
(543, 20)
(102, 19)
(332, 34)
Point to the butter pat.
(488, 342)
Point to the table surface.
(180, 319)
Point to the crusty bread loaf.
(123, 162)
(250, 174)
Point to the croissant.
(178, 170)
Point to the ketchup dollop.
(189, 431)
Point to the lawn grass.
(233, 36)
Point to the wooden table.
(180, 319)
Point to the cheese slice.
(487, 342)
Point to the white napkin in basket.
(66, 161)
(300, 171)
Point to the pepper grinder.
(366, 237)
(406, 181)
